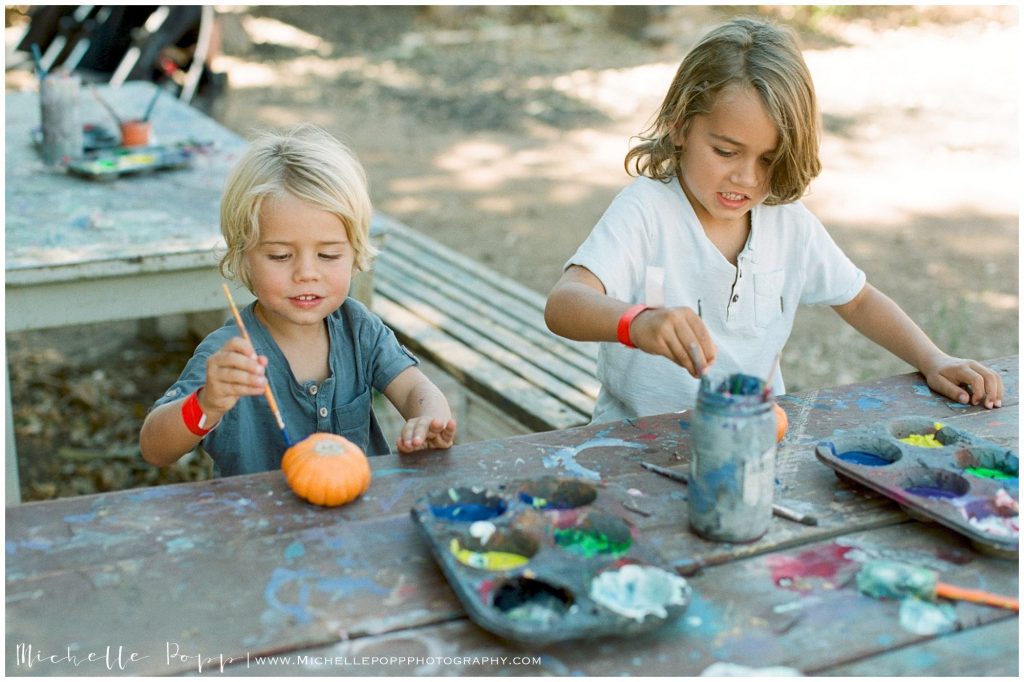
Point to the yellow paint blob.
(922, 440)
(489, 561)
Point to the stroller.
(113, 44)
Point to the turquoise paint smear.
(307, 581)
(295, 550)
(701, 618)
(922, 390)
(400, 490)
(179, 545)
(566, 456)
(925, 617)
(382, 473)
(869, 403)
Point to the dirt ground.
(501, 132)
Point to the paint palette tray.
(118, 161)
(937, 473)
(549, 559)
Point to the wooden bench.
(485, 330)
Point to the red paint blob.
(823, 562)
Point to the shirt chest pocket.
(352, 420)
(768, 303)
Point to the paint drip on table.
(732, 467)
(938, 472)
(549, 559)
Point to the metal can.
(732, 460)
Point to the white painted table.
(81, 251)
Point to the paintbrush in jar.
(266, 388)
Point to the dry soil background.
(501, 132)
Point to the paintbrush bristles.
(266, 388)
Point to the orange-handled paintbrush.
(266, 389)
(883, 578)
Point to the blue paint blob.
(294, 550)
(864, 458)
(932, 491)
(469, 511)
(868, 403)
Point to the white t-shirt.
(650, 232)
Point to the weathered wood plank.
(482, 312)
(991, 650)
(502, 347)
(518, 397)
(483, 292)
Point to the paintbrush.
(695, 354)
(777, 509)
(37, 58)
(888, 579)
(266, 388)
(152, 103)
(110, 109)
(771, 374)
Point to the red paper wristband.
(626, 320)
(193, 415)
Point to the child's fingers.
(993, 384)
(948, 388)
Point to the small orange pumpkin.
(326, 469)
(781, 423)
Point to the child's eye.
(277, 256)
(330, 256)
(724, 152)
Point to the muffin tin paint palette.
(937, 473)
(549, 559)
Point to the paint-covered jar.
(732, 462)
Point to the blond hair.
(308, 163)
(754, 54)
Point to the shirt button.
(323, 411)
(313, 389)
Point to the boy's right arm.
(578, 308)
(232, 372)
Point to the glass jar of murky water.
(732, 461)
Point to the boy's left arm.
(877, 317)
(429, 422)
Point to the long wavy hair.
(750, 53)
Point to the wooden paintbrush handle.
(977, 596)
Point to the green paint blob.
(982, 472)
(590, 542)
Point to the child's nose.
(305, 269)
(748, 175)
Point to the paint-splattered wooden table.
(81, 251)
(239, 574)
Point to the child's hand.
(425, 433)
(949, 376)
(232, 372)
(671, 332)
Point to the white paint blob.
(639, 591)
